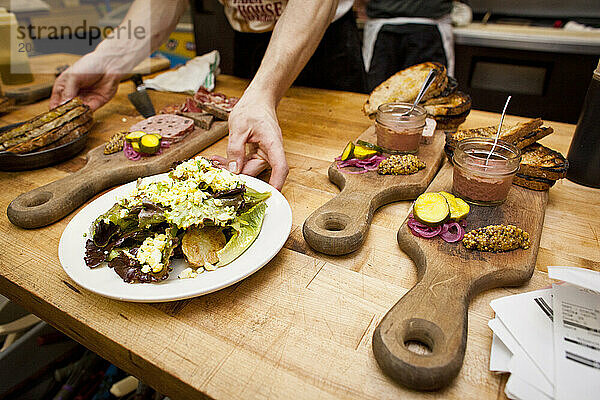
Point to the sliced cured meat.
(172, 128)
(171, 109)
(191, 106)
(216, 104)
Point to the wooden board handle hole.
(333, 221)
(420, 336)
(38, 199)
(417, 347)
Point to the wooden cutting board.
(433, 313)
(44, 67)
(340, 226)
(49, 203)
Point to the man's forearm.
(146, 26)
(295, 38)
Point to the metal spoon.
(428, 81)
(498, 133)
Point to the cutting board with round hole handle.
(340, 226)
(49, 203)
(433, 314)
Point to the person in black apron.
(399, 34)
(336, 63)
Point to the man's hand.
(254, 122)
(84, 80)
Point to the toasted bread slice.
(52, 135)
(450, 123)
(201, 120)
(490, 132)
(516, 132)
(53, 117)
(533, 183)
(522, 131)
(450, 126)
(450, 87)
(71, 136)
(43, 129)
(216, 111)
(6, 104)
(455, 104)
(453, 139)
(542, 162)
(404, 86)
(534, 136)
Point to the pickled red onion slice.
(366, 165)
(450, 231)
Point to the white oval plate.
(104, 281)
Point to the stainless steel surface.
(539, 8)
(559, 43)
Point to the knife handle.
(137, 80)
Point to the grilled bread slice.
(201, 120)
(534, 136)
(453, 139)
(71, 136)
(50, 136)
(533, 183)
(31, 127)
(542, 162)
(404, 86)
(450, 122)
(455, 104)
(215, 111)
(521, 134)
(5, 104)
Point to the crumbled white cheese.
(150, 253)
(187, 274)
(210, 267)
(183, 193)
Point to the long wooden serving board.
(340, 226)
(49, 203)
(434, 312)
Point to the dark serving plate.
(38, 159)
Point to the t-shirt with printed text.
(261, 15)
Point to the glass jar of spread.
(482, 182)
(399, 133)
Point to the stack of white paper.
(549, 340)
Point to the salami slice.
(190, 105)
(172, 128)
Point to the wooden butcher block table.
(301, 327)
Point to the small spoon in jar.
(428, 81)
(498, 133)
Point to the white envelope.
(517, 388)
(521, 364)
(528, 318)
(500, 355)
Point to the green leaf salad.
(198, 212)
